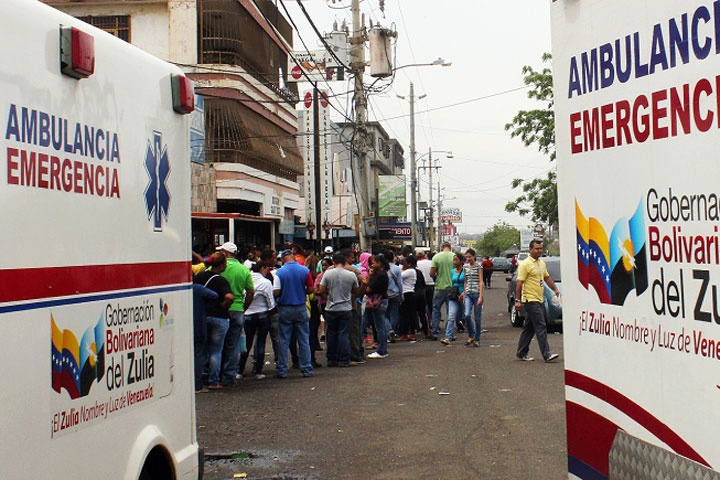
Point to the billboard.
(453, 215)
(391, 196)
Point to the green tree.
(537, 127)
(500, 237)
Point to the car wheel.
(515, 319)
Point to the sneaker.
(308, 374)
(215, 387)
(552, 357)
(377, 355)
(259, 376)
(280, 377)
(238, 376)
(202, 390)
(527, 358)
(445, 341)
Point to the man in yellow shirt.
(529, 292)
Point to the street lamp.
(448, 154)
(440, 61)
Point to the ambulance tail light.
(183, 94)
(77, 52)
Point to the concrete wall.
(166, 29)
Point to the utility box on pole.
(381, 59)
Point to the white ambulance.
(95, 283)
(637, 95)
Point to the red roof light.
(77, 52)
(183, 94)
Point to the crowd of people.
(357, 303)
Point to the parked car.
(553, 306)
(501, 264)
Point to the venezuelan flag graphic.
(613, 266)
(76, 366)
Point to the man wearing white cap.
(240, 279)
(328, 251)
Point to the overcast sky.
(467, 104)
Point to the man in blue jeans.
(441, 271)
(291, 285)
(240, 279)
(339, 285)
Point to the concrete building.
(245, 156)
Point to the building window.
(275, 206)
(118, 25)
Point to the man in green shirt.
(441, 271)
(529, 292)
(240, 279)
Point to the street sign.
(304, 66)
(401, 231)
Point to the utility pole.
(413, 172)
(414, 191)
(357, 63)
(431, 231)
(439, 214)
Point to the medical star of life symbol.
(157, 197)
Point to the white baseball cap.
(228, 247)
(328, 249)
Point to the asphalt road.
(426, 411)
